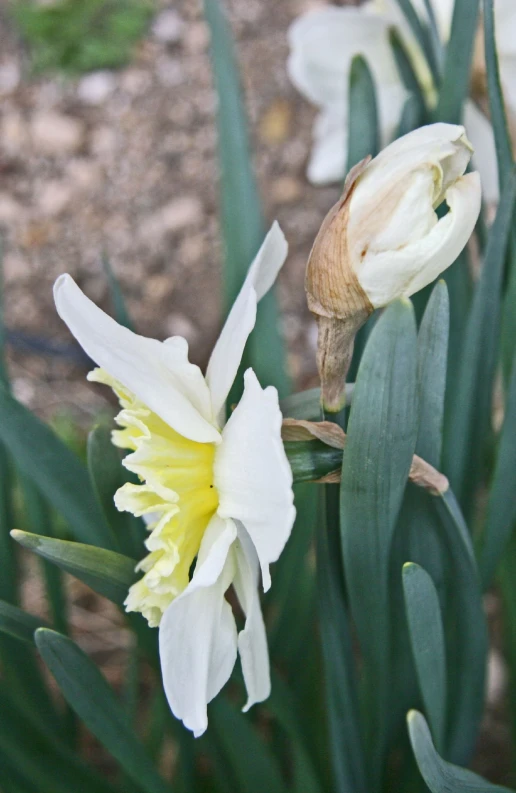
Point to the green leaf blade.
(88, 693)
(428, 647)
(382, 433)
(107, 572)
(55, 470)
(454, 88)
(363, 132)
(440, 776)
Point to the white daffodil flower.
(216, 493)
(383, 239)
(322, 45)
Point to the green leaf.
(471, 408)
(408, 75)
(107, 475)
(8, 562)
(40, 756)
(432, 355)
(422, 34)
(440, 776)
(428, 648)
(410, 117)
(382, 433)
(40, 522)
(284, 706)
(363, 133)
(304, 405)
(496, 102)
(466, 631)
(311, 460)
(501, 507)
(247, 759)
(291, 600)
(507, 582)
(88, 693)
(55, 470)
(107, 572)
(242, 220)
(17, 623)
(117, 298)
(457, 66)
(346, 745)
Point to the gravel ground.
(125, 162)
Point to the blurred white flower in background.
(323, 43)
(214, 493)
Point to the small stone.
(285, 190)
(168, 27)
(103, 141)
(172, 217)
(13, 134)
(170, 72)
(54, 197)
(84, 175)
(275, 123)
(197, 38)
(10, 210)
(9, 77)
(55, 134)
(95, 88)
(135, 81)
(15, 267)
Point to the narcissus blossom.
(323, 43)
(383, 239)
(212, 493)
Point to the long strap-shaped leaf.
(39, 755)
(470, 412)
(54, 469)
(427, 640)
(107, 572)
(440, 776)
(88, 693)
(242, 221)
(381, 440)
(501, 508)
(346, 743)
(363, 134)
(239, 752)
(457, 66)
(499, 121)
(17, 623)
(467, 639)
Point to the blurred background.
(111, 150)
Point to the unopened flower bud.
(383, 239)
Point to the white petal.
(252, 641)
(252, 474)
(480, 133)
(159, 374)
(444, 146)
(227, 354)
(329, 156)
(197, 634)
(391, 274)
(323, 43)
(328, 159)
